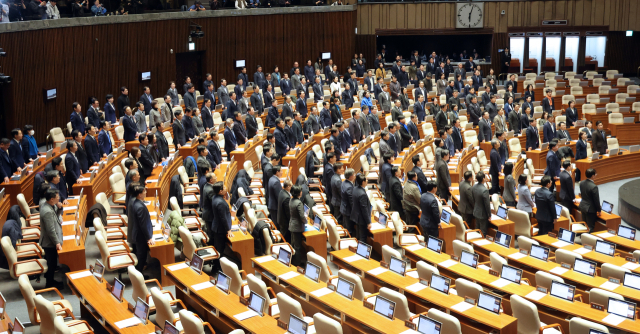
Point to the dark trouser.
(363, 232)
(336, 213)
(228, 155)
(468, 218)
(430, 232)
(300, 257)
(510, 203)
(331, 211)
(495, 185)
(411, 218)
(273, 215)
(444, 194)
(284, 229)
(219, 242)
(482, 224)
(578, 175)
(568, 204)
(349, 225)
(545, 227)
(142, 250)
(590, 219)
(51, 255)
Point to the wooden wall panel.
(87, 61)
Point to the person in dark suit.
(347, 96)
(346, 200)
(441, 119)
(312, 124)
(285, 84)
(549, 129)
(563, 133)
(327, 175)
(215, 154)
(491, 107)
(190, 131)
(484, 130)
(146, 161)
(354, 127)
(274, 188)
(301, 105)
(251, 123)
(476, 78)
(361, 208)
(514, 119)
(231, 107)
(456, 135)
(481, 203)
(77, 121)
(123, 99)
(296, 127)
(417, 168)
(443, 179)
(473, 110)
(15, 148)
(230, 141)
(533, 139)
(287, 108)
(413, 128)
(553, 163)
(273, 114)
(146, 98)
(335, 140)
(206, 202)
(72, 165)
(7, 166)
(336, 190)
(546, 205)
(93, 113)
(325, 116)
(91, 146)
(161, 142)
(104, 140)
(288, 132)
(581, 152)
(142, 229)
(512, 82)
(599, 139)
(268, 95)
(344, 137)
(221, 225)
(495, 167)
(284, 215)
(590, 203)
(81, 154)
(282, 144)
(430, 217)
(238, 129)
(179, 133)
(129, 124)
(395, 191)
(419, 108)
(466, 202)
(386, 173)
(571, 113)
(210, 94)
(206, 114)
(297, 225)
(567, 187)
(547, 103)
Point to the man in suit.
(206, 202)
(16, 153)
(460, 70)
(274, 188)
(466, 202)
(243, 102)
(238, 129)
(223, 93)
(166, 109)
(347, 96)
(221, 225)
(318, 92)
(230, 141)
(454, 100)
(396, 111)
(301, 105)
(334, 138)
(346, 200)
(491, 107)
(161, 141)
(273, 114)
(441, 120)
(251, 122)
(296, 128)
(374, 120)
(476, 78)
(268, 95)
(546, 206)
(312, 124)
(141, 120)
(413, 128)
(51, 234)
(361, 208)
(210, 93)
(549, 129)
(448, 141)
(353, 84)
(123, 99)
(282, 144)
(443, 179)
(77, 121)
(354, 127)
(599, 139)
(481, 203)
(104, 141)
(527, 104)
(296, 80)
(336, 190)
(417, 169)
(394, 87)
(395, 191)
(129, 124)
(288, 132)
(456, 135)
(72, 165)
(495, 167)
(345, 137)
(449, 90)
(563, 133)
(207, 114)
(287, 108)
(327, 175)
(405, 136)
(484, 130)
(567, 186)
(419, 108)
(553, 163)
(385, 173)
(179, 132)
(385, 99)
(146, 161)
(325, 115)
(91, 147)
(393, 142)
(473, 111)
(590, 203)
(146, 98)
(215, 154)
(7, 165)
(190, 130)
(369, 80)
(430, 217)
(532, 136)
(93, 113)
(239, 88)
(499, 121)
(377, 89)
(256, 100)
(284, 214)
(245, 78)
(231, 107)
(547, 102)
(514, 119)
(81, 154)
(512, 82)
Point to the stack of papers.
(500, 283)
(353, 258)
(631, 265)
(535, 295)
(517, 256)
(609, 285)
(582, 251)
(178, 266)
(558, 270)
(200, 286)
(377, 271)
(414, 248)
(289, 275)
(246, 315)
(605, 235)
(415, 287)
(613, 319)
(447, 263)
(128, 322)
(461, 307)
(376, 226)
(321, 292)
(67, 208)
(80, 274)
(560, 244)
(264, 259)
(482, 242)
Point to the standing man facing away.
(430, 218)
(590, 204)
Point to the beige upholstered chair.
(238, 285)
(589, 109)
(612, 143)
(589, 239)
(57, 136)
(528, 320)
(112, 218)
(463, 233)
(450, 324)
(621, 97)
(576, 90)
(544, 279)
(115, 236)
(192, 324)
(514, 147)
(525, 243)
(613, 107)
(466, 288)
(47, 313)
(289, 306)
(193, 221)
(569, 75)
(76, 327)
(358, 292)
(115, 261)
(325, 324)
(325, 271)
(25, 267)
(402, 238)
(471, 138)
(497, 262)
(335, 241)
(141, 291)
(601, 296)
(522, 223)
(565, 256)
(259, 287)
(604, 89)
(208, 253)
(632, 89)
(164, 312)
(62, 307)
(611, 270)
(580, 326)
(402, 305)
(459, 246)
(593, 98)
(116, 180)
(33, 219)
(597, 82)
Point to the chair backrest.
(324, 324)
(528, 82)
(613, 143)
(427, 130)
(527, 314)
(288, 306)
(470, 137)
(334, 238)
(565, 256)
(521, 222)
(589, 239)
(635, 106)
(580, 326)
(28, 294)
(621, 97)
(190, 323)
(544, 279)
(137, 282)
(458, 222)
(188, 246)
(482, 158)
(590, 74)
(358, 292)
(549, 75)
(497, 262)
(119, 130)
(531, 76)
(24, 206)
(57, 136)
(567, 98)
(248, 167)
(495, 201)
(173, 202)
(60, 327)
(551, 82)
(97, 225)
(593, 98)
(466, 288)
(47, 313)
(322, 263)
(525, 243)
(632, 89)
(402, 305)
(104, 249)
(600, 296)
(604, 89)
(388, 252)
(365, 164)
(450, 324)
(231, 269)
(459, 246)
(125, 170)
(569, 75)
(612, 107)
(102, 199)
(560, 119)
(117, 182)
(597, 82)
(514, 147)
(589, 108)
(611, 270)
(425, 270)
(256, 285)
(610, 74)
(184, 178)
(576, 90)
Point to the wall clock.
(470, 15)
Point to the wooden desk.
(241, 243)
(604, 118)
(247, 152)
(627, 134)
(4, 209)
(623, 244)
(100, 183)
(539, 157)
(295, 161)
(72, 253)
(351, 313)
(25, 186)
(160, 185)
(485, 320)
(609, 168)
(101, 309)
(316, 241)
(215, 306)
(163, 249)
(560, 308)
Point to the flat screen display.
(141, 311)
(489, 302)
(117, 289)
(631, 280)
(503, 239)
(445, 216)
(284, 256)
(469, 259)
(196, 263)
(345, 288)
(397, 266)
(440, 283)
(223, 281)
(297, 325)
(363, 250)
(385, 307)
(428, 326)
(51, 93)
(585, 267)
(607, 207)
(256, 303)
(144, 76)
(241, 63)
(511, 274)
(606, 248)
(326, 55)
(622, 308)
(539, 252)
(98, 270)
(169, 328)
(558, 210)
(626, 232)
(502, 212)
(312, 272)
(382, 219)
(566, 236)
(562, 290)
(434, 244)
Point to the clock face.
(470, 15)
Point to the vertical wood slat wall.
(87, 61)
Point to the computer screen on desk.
(539, 252)
(428, 326)
(566, 236)
(489, 302)
(434, 244)
(501, 212)
(385, 307)
(223, 282)
(297, 325)
(607, 207)
(196, 263)
(284, 256)
(622, 308)
(606, 248)
(345, 288)
(445, 216)
(503, 239)
(558, 210)
(632, 280)
(470, 259)
(312, 272)
(585, 267)
(117, 289)
(141, 311)
(256, 303)
(440, 283)
(363, 250)
(382, 219)
(562, 290)
(169, 328)
(626, 232)
(397, 265)
(511, 274)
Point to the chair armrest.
(82, 322)
(551, 326)
(153, 280)
(243, 274)
(417, 316)
(270, 290)
(119, 254)
(204, 323)
(38, 251)
(578, 297)
(270, 309)
(371, 295)
(469, 231)
(526, 280)
(49, 289)
(66, 310)
(210, 247)
(15, 265)
(406, 227)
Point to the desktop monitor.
(489, 302)
(141, 311)
(240, 63)
(607, 207)
(196, 263)
(363, 250)
(306, 210)
(631, 280)
(434, 244)
(539, 252)
(595, 331)
(326, 55)
(503, 239)
(584, 267)
(605, 247)
(445, 216)
(511, 274)
(566, 236)
(256, 303)
(385, 307)
(117, 289)
(297, 325)
(98, 270)
(144, 76)
(626, 232)
(17, 328)
(312, 272)
(50, 94)
(440, 283)
(428, 325)
(169, 328)
(502, 212)
(223, 282)
(558, 210)
(284, 256)
(317, 222)
(345, 288)
(397, 266)
(562, 290)
(622, 308)
(470, 259)
(382, 219)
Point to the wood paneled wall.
(619, 15)
(87, 61)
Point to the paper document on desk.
(200, 286)
(484, 267)
(289, 275)
(461, 307)
(613, 319)
(516, 256)
(81, 179)
(560, 244)
(128, 322)
(415, 287)
(558, 270)
(604, 235)
(447, 263)
(353, 258)
(408, 331)
(178, 266)
(457, 197)
(264, 259)
(68, 208)
(68, 237)
(377, 271)
(80, 274)
(151, 181)
(321, 292)
(70, 222)
(482, 242)
(582, 250)
(631, 265)
(500, 283)
(376, 226)
(609, 285)
(413, 273)
(414, 248)
(535, 295)
(495, 217)
(246, 315)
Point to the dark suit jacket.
(257, 103)
(274, 191)
(492, 109)
(252, 126)
(515, 122)
(7, 166)
(240, 132)
(465, 204)
(130, 128)
(286, 111)
(444, 179)
(207, 117)
(297, 132)
(325, 118)
(346, 197)
(413, 131)
(291, 138)
(361, 207)
(83, 160)
(572, 116)
(142, 229)
(336, 190)
(109, 113)
(77, 122)
(430, 217)
(285, 86)
(146, 162)
(93, 152)
(268, 97)
(230, 141)
(73, 169)
(272, 115)
(354, 130)
(549, 132)
(581, 150)
(590, 197)
(211, 95)
(567, 188)
(189, 128)
(15, 153)
(599, 142)
(335, 140)
(179, 134)
(546, 106)
(215, 155)
(441, 120)
(94, 117)
(395, 194)
(481, 206)
(146, 101)
(563, 134)
(406, 137)
(347, 98)
(281, 142)
(484, 132)
(105, 143)
(473, 110)
(456, 136)
(532, 138)
(222, 217)
(284, 213)
(546, 204)
(206, 203)
(553, 166)
(419, 110)
(495, 167)
(301, 107)
(385, 176)
(327, 175)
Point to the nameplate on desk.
(553, 235)
(300, 270)
(589, 247)
(455, 258)
(631, 259)
(541, 289)
(424, 281)
(422, 243)
(367, 305)
(612, 231)
(470, 300)
(488, 237)
(384, 265)
(494, 273)
(614, 280)
(244, 301)
(282, 325)
(331, 287)
(566, 265)
(352, 249)
(597, 306)
(524, 251)
(410, 324)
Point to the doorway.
(189, 64)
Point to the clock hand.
(471, 11)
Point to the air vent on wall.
(516, 34)
(594, 33)
(534, 34)
(553, 34)
(554, 22)
(571, 34)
